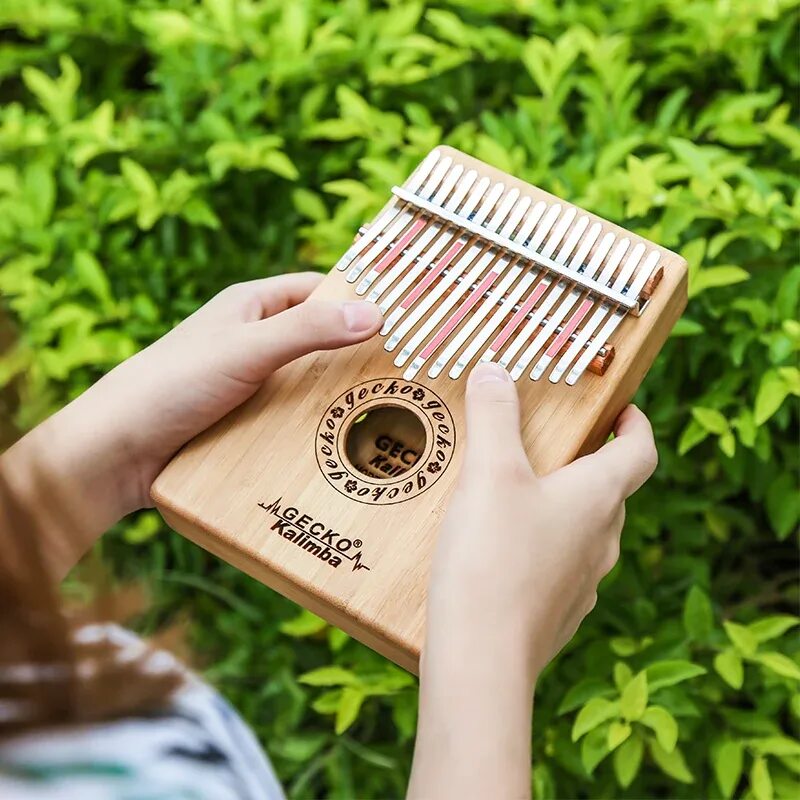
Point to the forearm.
(68, 483)
(474, 730)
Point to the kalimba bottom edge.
(405, 656)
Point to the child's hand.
(515, 571)
(215, 360)
(519, 557)
(102, 452)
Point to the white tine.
(553, 293)
(558, 315)
(536, 293)
(419, 250)
(400, 224)
(389, 214)
(593, 348)
(411, 253)
(474, 197)
(464, 288)
(500, 266)
(456, 269)
(507, 306)
(627, 270)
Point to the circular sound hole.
(385, 442)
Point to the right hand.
(520, 556)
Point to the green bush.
(153, 152)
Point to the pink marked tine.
(400, 246)
(523, 310)
(434, 273)
(568, 329)
(451, 323)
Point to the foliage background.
(153, 152)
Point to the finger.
(493, 427)
(625, 463)
(304, 328)
(250, 301)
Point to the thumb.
(306, 327)
(493, 429)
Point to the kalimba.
(330, 483)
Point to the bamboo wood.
(259, 474)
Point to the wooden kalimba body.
(330, 483)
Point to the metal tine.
(526, 305)
(586, 306)
(577, 317)
(508, 305)
(591, 270)
(451, 195)
(390, 213)
(400, 224)
(506, 263)
(458, 240)
(510, 210)
(430, 297)
(538, 315)
(562, 223)
(555, 320)
(427, 257)
(419, 243)
(593, 347)
(464, 336)
(552, 294)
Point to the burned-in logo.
(394, 471)
(314, 537)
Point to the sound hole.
(385, 442)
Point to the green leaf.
(760, 781)
(744, 641)
(622, 675)
(715, 277)
(57, 97)
(633, 699)
(618, 732)
(779, 664)
(783, 504)
(772, 627)
(728, 665)
(668, 673)
(328, 702)
(280, 164)
(329, 676)
(776, 385)
(698, 617)
(693, 434)
(304, 624)
(712, 420)
(349, 706)
(581, 692)
(775, 746)
(594, 713)
(727, 759)
(672, 763)
(594, 748)
(91, 276)
(628, 760)
(663, 724)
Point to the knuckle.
(513, 470)
(650, 458)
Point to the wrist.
(71, 481)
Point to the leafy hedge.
(153, 152)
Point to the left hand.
(104, 450)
